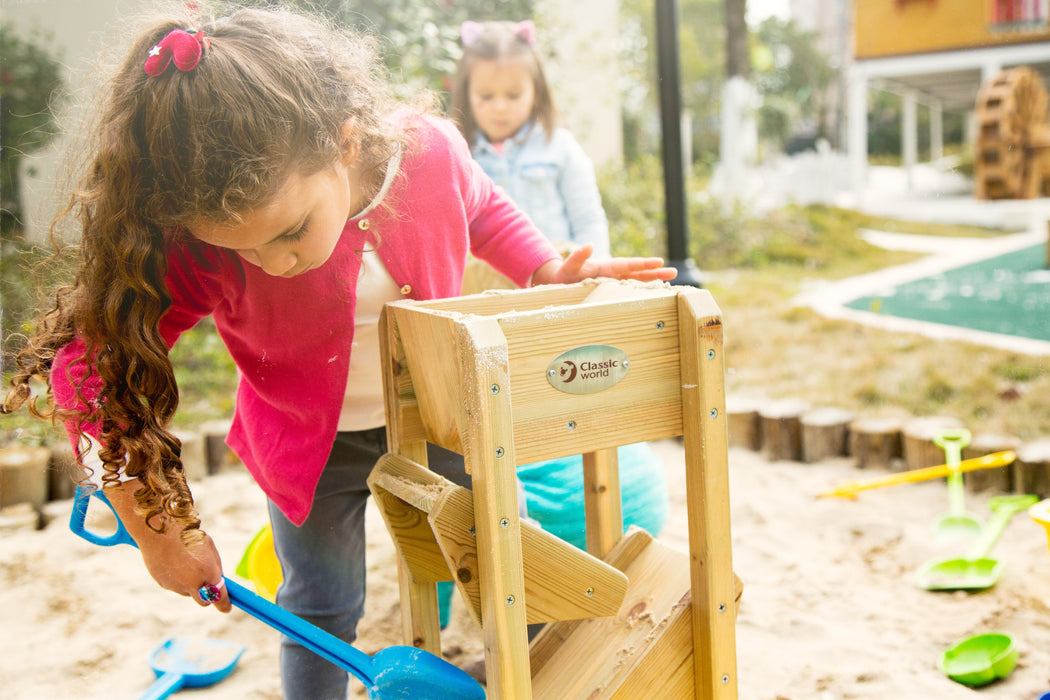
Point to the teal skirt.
(554, 490)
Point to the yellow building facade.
(899, 27)
(936, 54)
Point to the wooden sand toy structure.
(513, 377)
(1013, 137)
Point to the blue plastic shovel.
(394, 672)
(190, 663)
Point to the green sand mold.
(1008, 294)
(979, 660)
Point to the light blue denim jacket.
(553, 182)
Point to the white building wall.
(583, 71)
(80, 29)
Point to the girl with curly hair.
(252, 167)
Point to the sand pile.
(830, 608)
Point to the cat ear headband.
(470, 31)
(178, 47)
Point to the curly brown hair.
(266, 101)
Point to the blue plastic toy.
(394, 672)
(190, 663)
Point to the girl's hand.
(578, 266)
(173, 565)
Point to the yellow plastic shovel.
(991, 461)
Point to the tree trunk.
(738, 59)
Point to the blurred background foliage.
(420, 44)
(30, 85)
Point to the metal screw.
(725, 679)
(472, 531)
(710, 354)
(494, 389)
(626, 364)
(499, 451)
(510, 600)
(571, 425)
(721, 607)
(659, 325)
(504, 523)
(551, 372)
(714, 413)
(590, 592)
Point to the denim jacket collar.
(527, 131)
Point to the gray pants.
(323, 561)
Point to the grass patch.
(776, 351)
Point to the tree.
(420, 38)
(701, 31)
(793, 77)
(738, 59)
(29, 79)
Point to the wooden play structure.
(1013, 137)
(514, 377)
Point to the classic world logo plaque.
(588, 369)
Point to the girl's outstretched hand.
(173, 565)
(578, 266)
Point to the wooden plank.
(488, 441)
(648, 396)
(598, 655)
(707, 496)
(420, 617)
(494, 302)
(647, 401)
(429, 344)
(561, 581)
(409, 481)
(602, 502)
(665, 670)
(404, 430)
(413, 538)
(550, 639)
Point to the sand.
(830, 608)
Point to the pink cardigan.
(291, 338)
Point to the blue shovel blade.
(410, 673)
(190, 663)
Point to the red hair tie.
(180, 46)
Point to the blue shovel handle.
(168, 684)
(310, 636)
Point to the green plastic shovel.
(956, 521)
(976, 571)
